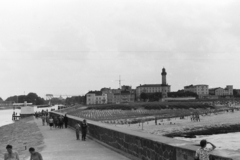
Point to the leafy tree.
(154, 96)
(57, 101)
(75, 100)
(12, 99)
(144, 96)
(30, 98)
(235, 93)
(1, 99)
(181, 93)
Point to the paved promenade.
(62, 144)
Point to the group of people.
(53, 121)
(12, 155)
(83, 127)
(56, 121)
(195, 117)
(40, 114)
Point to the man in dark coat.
(84, 129)
(66, 120)
(61, 121)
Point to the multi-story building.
(201, 90)
(228, 91)
(96, 97)
(164, 88)
(123, 97)
(109, 93)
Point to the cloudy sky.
(68, 47)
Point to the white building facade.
(228, 91)
(96, 97)
(201, 90)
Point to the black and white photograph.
(119, 79)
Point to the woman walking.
(203, 152)
(51, 122)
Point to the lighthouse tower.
(164, 83)
(164, 79)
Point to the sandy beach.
(180, 125)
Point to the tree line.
(36, 100)
(158, 95)
(29, 98)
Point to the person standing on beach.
(35, 155)
(203, 152)
(10, 155)
(77, 127)
(84, 129)
(66, 120)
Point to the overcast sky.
(68, 47)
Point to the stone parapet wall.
(144, 146)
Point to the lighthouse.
(165, 87)
(164, 77)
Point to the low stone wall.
(144, 146)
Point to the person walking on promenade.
(10, 155)
(47, 119)
(203, 152)
(51, 122)
(43, 119)
(55, 121)
(77, 127)
(35, 155)
(60, 121)
(84, 129)
(66, 120)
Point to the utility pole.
(120, 87)
(119, 81)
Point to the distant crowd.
(52, 121)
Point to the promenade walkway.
(61, 144)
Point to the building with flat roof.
(201, 90)
(163, 88)
(96, 97)
(227, 91)
(124, 95)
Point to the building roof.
(215, 88)
(97, 93)
(152, 85)
(195, 85)
(124, 93)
